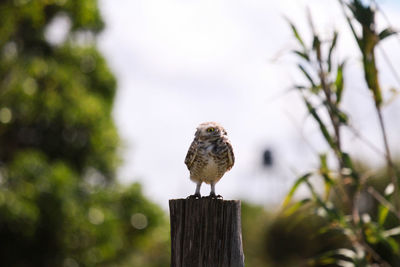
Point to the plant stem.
(382, 200)
(389, 161)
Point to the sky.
(179, 63)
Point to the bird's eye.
(210, 130)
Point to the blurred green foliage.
(355, 220)
(304, 234)
(300, 238)
(255, 224)
(60, 204)
(58, 97)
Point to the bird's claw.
(195, 196)
(213, 196)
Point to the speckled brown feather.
(210, 154)
(191, 154)
(231, 156)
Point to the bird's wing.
(231, 156)
(191, 154)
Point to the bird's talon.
(195, 196)
(213, 196)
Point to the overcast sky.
(179, 63)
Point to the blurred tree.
(56, 98)
(59, 202)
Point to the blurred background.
(99, 102)
(182, 63)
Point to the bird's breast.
(210, 169)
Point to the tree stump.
(206, 233)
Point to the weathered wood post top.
(206, 232)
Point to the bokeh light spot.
(389, 189)
(96, 216)
(139, 221)
(10, 50)
(5, 115)
(29, 86)
(57, 31)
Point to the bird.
(209, 157)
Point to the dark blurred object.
(59, 202)
(268, 160)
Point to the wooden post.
(206, 233)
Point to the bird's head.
(210, 130)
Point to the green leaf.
(330, 210)
(350, 23)
(392, 232)
(348, 253)
(386, 33)
(393, 243)
(343, 118)
(363, 14)
(300, 87)
(371, 77)
(322, 126)
(348, 164)
(339, 82)
(298, 182)
(333, 44)
(316, 89)
(324, 170)
(316, 43)
(308, 76)
(303, 55)
(348, 257)
(324, 163)
(347, 160)
(382, 214)
(296, 34)
(293, 208)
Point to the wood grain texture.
(206, 233)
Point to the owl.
(210, 155)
